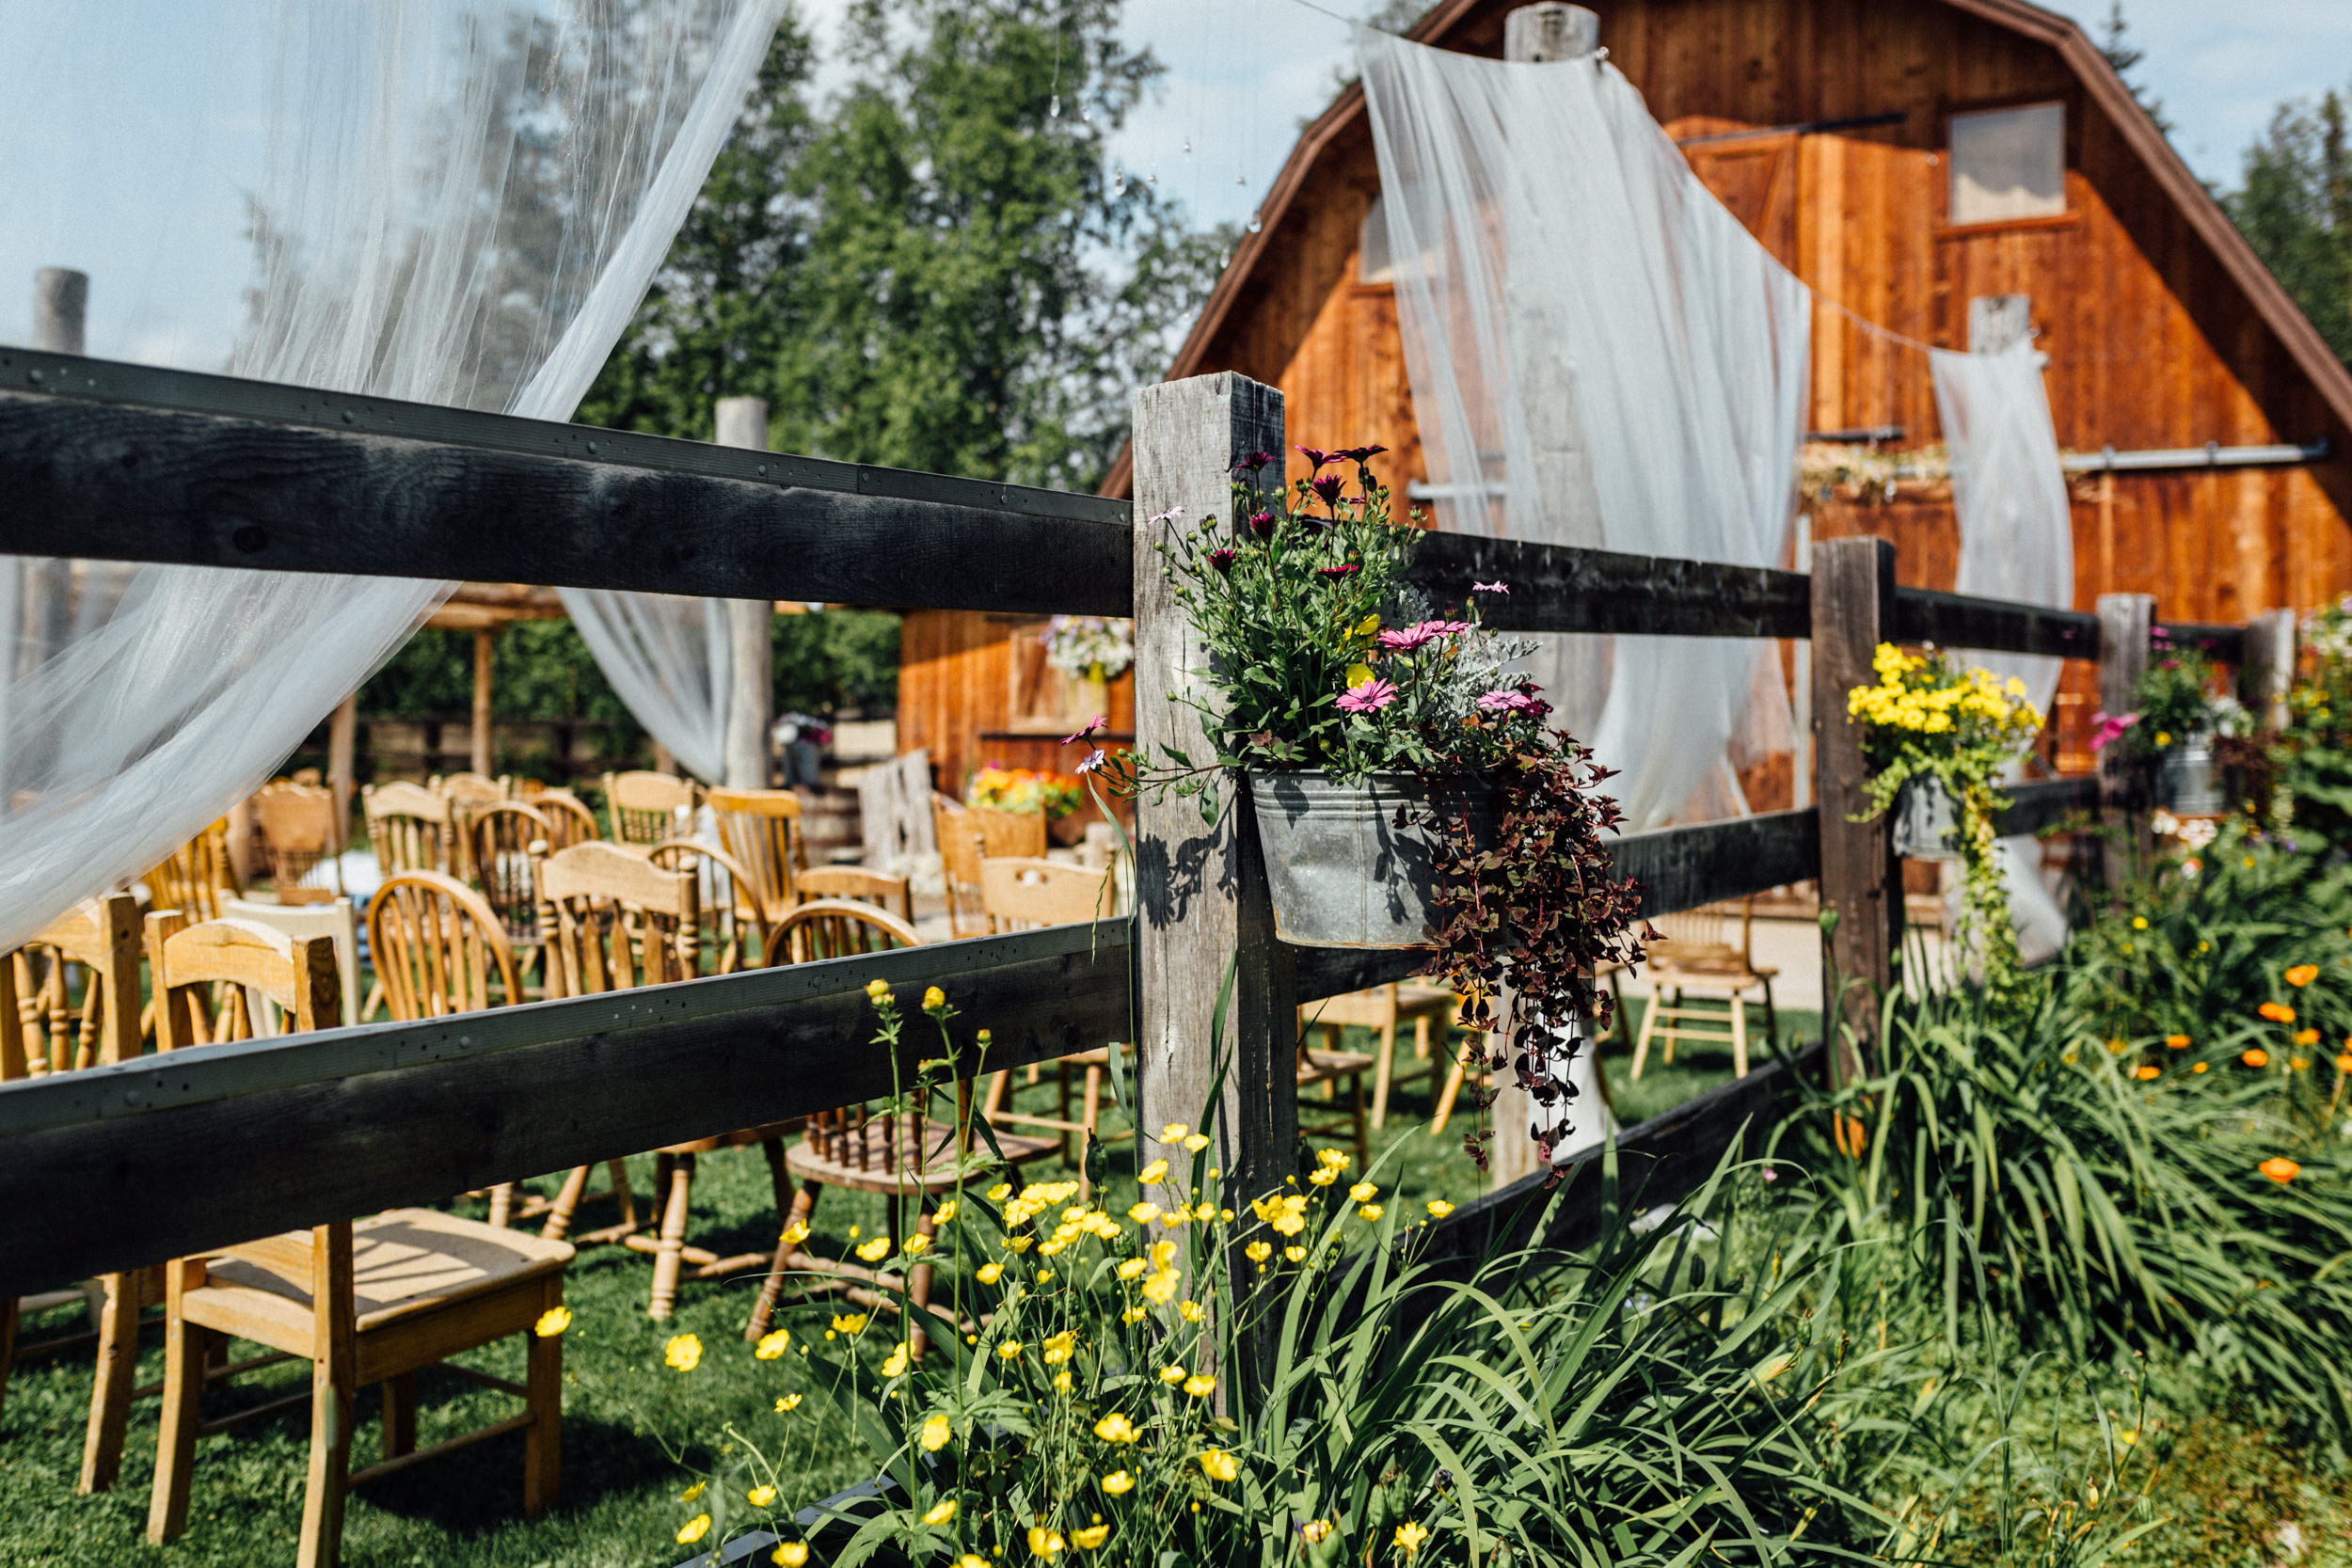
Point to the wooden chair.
(896, 1154)
(614, 921)
(1018, 893)
(196, 877)
(1381, 1009)
(960, 857)
(337, 920)
(645, 807)
(569, 820)
(469, 794)
(761, 829)
(878, 888)
(298, 830)
(410, 828)
(1011, 834)
(368, 1300)
(501, 835)
(1704, 957)
(735, 929)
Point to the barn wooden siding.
(956, 696)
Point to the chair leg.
(1452, 1087)
(559, 1221)
(1062, 1114)
(779, 1175)
(543, 1440)
(400, 1415)
(919, 1290)
(1668, 1038)
(616, 1171)
(1420, 1038)
(1738, 1036)
(1649, 1022)
(175, 1439)
(334, 1363)
(763, 1310)
(110, 1396)
(1381, 1071)
(669, 1253)
(501, 1204)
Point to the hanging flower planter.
(2188, 783)
(1341, 870)
(1927, 821)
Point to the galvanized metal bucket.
(1926, 822)
(1342, 873)
(2188, 783)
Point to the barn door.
(1757, 178)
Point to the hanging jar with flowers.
(1091, 650)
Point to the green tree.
(2124, 55)
(2295, 207)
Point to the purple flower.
(2109, 729)
(1317, 458)
(1168, 517)
(1255, 460)
(1521, 701)
(1328, 488)
(1336, 572)
(1262, 523)
(1093, 727)
(1222, 558)
(1491, 588)
(1094, 762)
(1421, 636)
(1371, 697)
(1770, 1175)
(1360, 455)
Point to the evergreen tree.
(2295, 207)
(2124, 56)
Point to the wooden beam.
(2224, 644)
(1681, 868)
(1961, 620)
(1854, 599)
(1200, 893)
(119, 1166)
(1560, 588)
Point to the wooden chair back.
(473, 789)
(337, 920)
(761, 829)
(502, 835)
(1716, 934)
(438, 947)
(1010, 834)
(297, 823)
(837, 928)
(184, 957)
(411, 828)
(612, 920)
(878, 888)
(196, 877)
(1022, 892)
(735, 927)
(960, 857)
(43, 1029)
(569, 820)
(644, 807)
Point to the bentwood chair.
(364, 1301)
(959, 856)
(761, 829)
(297, 823)
(614, 921)
(501, 835)
(411, 828)
(644, 807)
(569, 820)
(196, 877)
(1018, 893)
(898, 1154)
(1706, 958)
(735, 929)
(895, 895)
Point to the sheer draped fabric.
(1600, 355)
(455, 201)
(669, 659)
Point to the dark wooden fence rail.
(123, 1164)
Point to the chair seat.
(874, 1142)
(1711, 971)
(1370, 1008)
(1323, 1066)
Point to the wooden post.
(1200, 892)
(751, 696)
(486, 641)
(342, 745)
(2269, 667)
(2123, 623)
(1853, 602)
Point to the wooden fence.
(119, 1165)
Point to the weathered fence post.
(2123, 623)
(1854, 610)
(750, 629)
(1200, 892)
(2267, 668)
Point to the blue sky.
(133, 171)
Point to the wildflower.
(851, 1322)
(2344, 1061)
(2302, 974)
(2199, 1067)
(1504, 589)
(1295, 1254)
(2298, 1063)
(1198, 1385)
(1191, 1312)
(1118, 1482)
(1094, 726)
(1316, 1532)
(1222, 558)
(760, 1497)
(1009, 1350)
(1218, 1464)
(2278, 1012)
(2144, 1073)
(1133, 1315)
(1370, 697)
(1115, 1428)
(1345, 569)
(896, 1364)
(1059, 1347)
(1410, 1537)
(790, 1554)
(1132, 1268)
(2176, 1042)
(2256, 1057)
(1258, 1251)
(1171, 515)
(1438, 1208)
(552, 1322)
(1161, 1288)
(933, 999)
(1144, 1213)
(1000, 1192)
(695, 1491)
(773, 1345)
(2139, 923)
(941, 1512)
(916, 1242)
(875, 1250)
(1091, 1538)
(1320, 459)
(1196, 1143)
(1019, 1244)
(1153, 1174)
(1323, 1177)
(685, 1353)
(989, 1274)
(787, 1404)
(2279, 1169)
(2115, 1048)
(1255, 460)
(877, 991)
(1045, 1542)
(1333, 1157)
(973, 1559)
(694, 1530)
(1363, 1192)
(1510, 702)
(1262, 523)
(2307, 1036)
(1172, 1375)
(1371, 1212)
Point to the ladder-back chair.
(895, 895)
(410, 828)
(1018, 893)
(1706, 958)
(364, 1301)
(1381, 1009)
(1011, 834)
(337, 920)
(645, 807)
(501, 835)
(959, 856)
(761, 829)
(735, 929)
(298, 830)
(196, 877)
(896, 1154)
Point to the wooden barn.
(1875, 147)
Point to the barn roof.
(1475, 27)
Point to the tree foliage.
(2295, 207)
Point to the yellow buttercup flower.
(1115, 1428)
(787, 1404)
(792, 1554)
(1199, 1385)
(1363, 1192)
(941, 1512)
(1258, 1251)
(552, 1322)
(948, 1212)
(695, 1491)
(1131, 1268)
(875, 1250)
(1316, 1532)
(685, 1353)
(1325, 1177)
(1091, 1538)
(1409, 1538)
(693, 1529)
(1009, 1350)
(1172, 1375)
(1295, 1254)
(989, 1274)
(1059, 1347)
(1000, 1192)
(772, 1344)
(794, 1234)
(1143, 1213)
(851, 1322)
(1196, 1143)
(1161, 1288)
(1118, 1482)
(895, 1366)
(1045, 1542)
(1172, 1131)
(1336, 1159)
(935, 1433)
(760, 1497)
(1218, 1464)
(1438, 1208)
(1153, 1174)
(1191, 1312)
(1372, 1212)
(935, 999)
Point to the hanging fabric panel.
(1600, 355)
(670, 660)
(455, 201)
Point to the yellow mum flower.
(790, 1554)
(1218, 1464)
(1115, 1428)
(941, 1512)
(694, 1530)
(760, 1497)
(552, 1322)
(685, 1353)
(773, 1345)
(1118, 1482)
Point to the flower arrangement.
(1924, 719)
(1089, 647)
(2172, 702)
(1023, 790)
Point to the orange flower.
(2178, 1043)
(2199, 1067)
(2279, 1169)
(2256, 1057)
(2343, 1063)
(2144, 1073)
(2307, 1036)
(2302, 974)
(2278, 1012)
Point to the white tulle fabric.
(1600, 355)
(670, 660)
(456, 202)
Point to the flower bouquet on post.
(1408, 789)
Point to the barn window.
(2008, 164)
(1372, 264)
